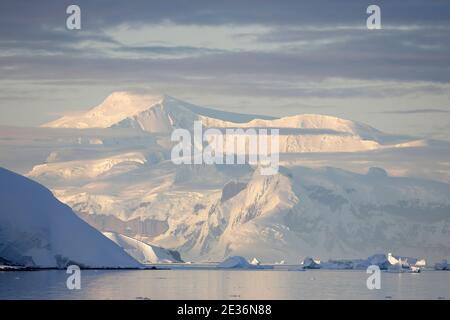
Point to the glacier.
(143, 252)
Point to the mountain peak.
(126, 102)
(124, 96)
(116, 107)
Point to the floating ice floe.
(10, 268)
(402, 269)
(443, 265)
(394, 260)
(310, 263)
(379, 260)
(405, 264)
(389, 263)
(397, 264)
(337, 265)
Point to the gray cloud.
(305, 43)
(314, 40)
(108, 13)
(417, 111)
(168, 50)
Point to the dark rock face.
(231, 189)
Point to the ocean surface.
(222, 284)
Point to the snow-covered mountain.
(210, 212)
(128, 185)
(143, 252)
(37, 230)
(152, 113)
(162, 113)
(329, 213)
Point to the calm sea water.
(221, 284)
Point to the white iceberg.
(379, 260)
(310, 263)
(397, 264)
(406, 261)
(235, 262)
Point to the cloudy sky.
(264, 57)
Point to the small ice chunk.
(310, 263)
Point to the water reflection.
(222, 284)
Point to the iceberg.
(379, 260)
(235, 262)
(388, 262)
(310, 263)
(337, 265)
(441, 266)
(397, 264)
(406, 261)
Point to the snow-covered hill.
(143, 252)
(37, 230)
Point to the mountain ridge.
(120, 108)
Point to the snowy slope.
(143, 252)
(88, 169)
(303, 121)
(116, 107)
(39, 231)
